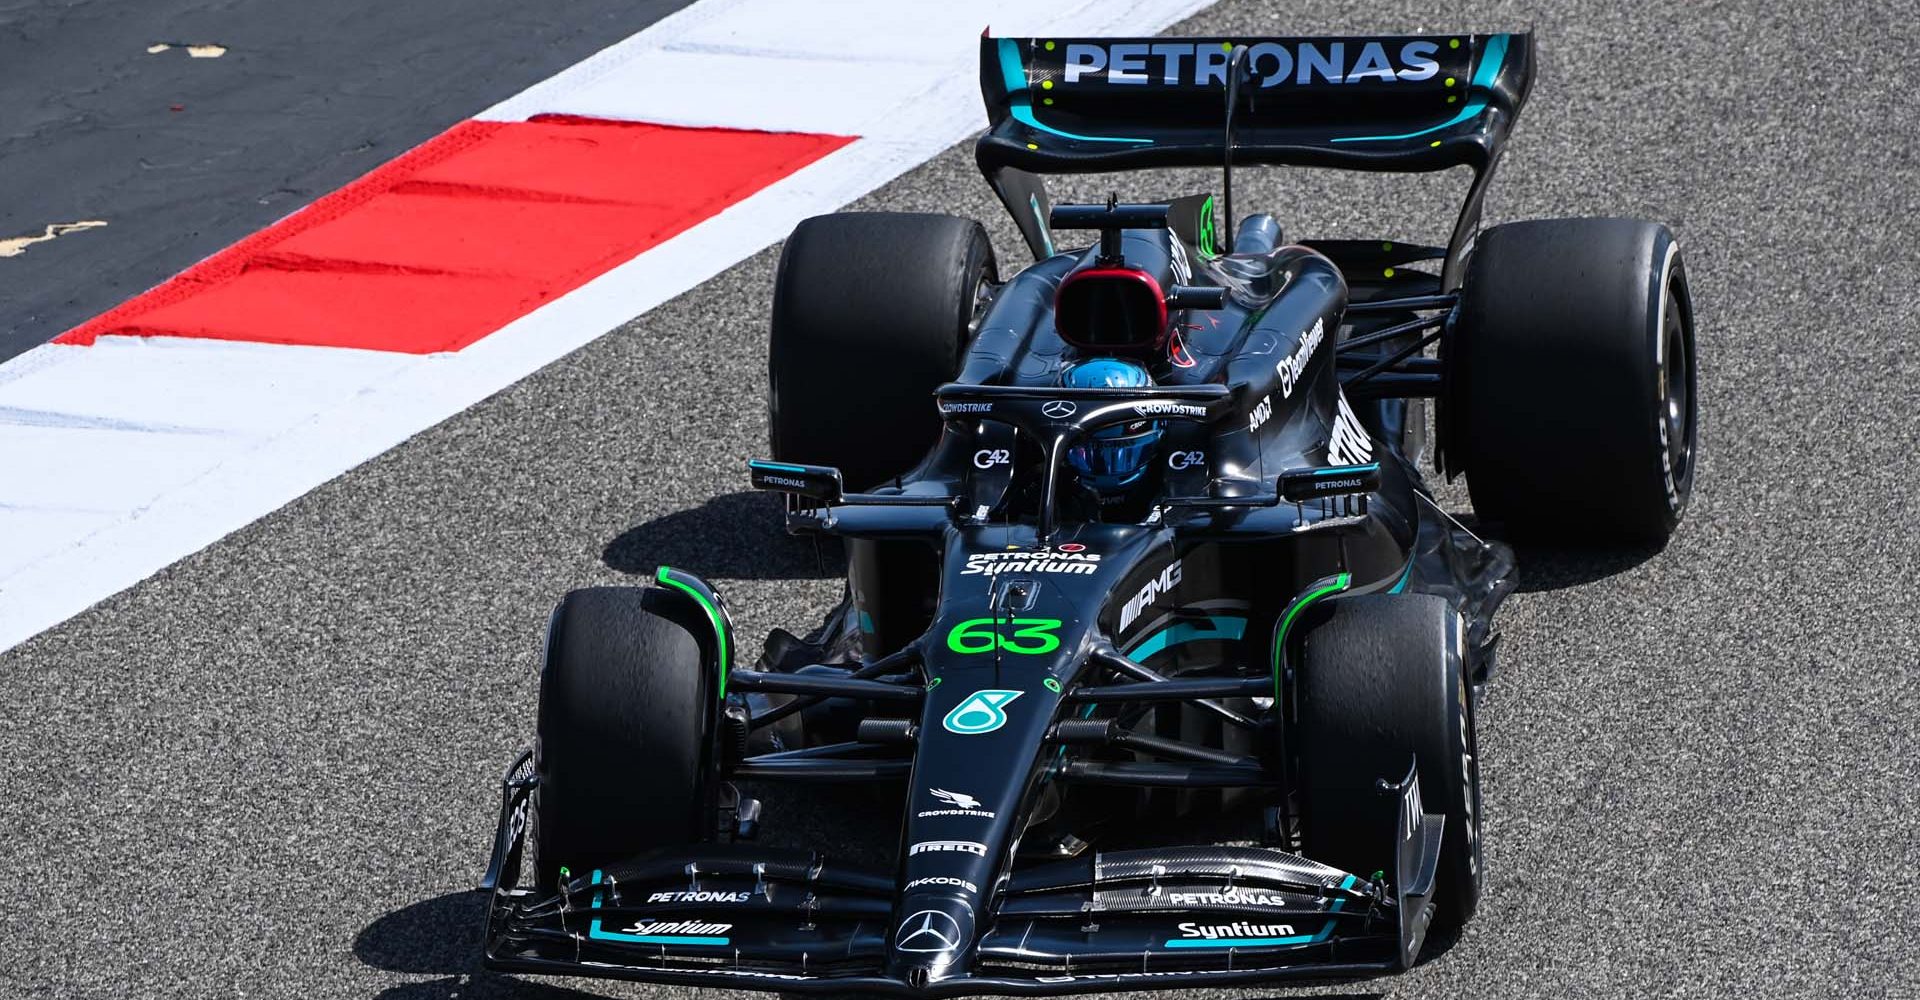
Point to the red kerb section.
(463, 234)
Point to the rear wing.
(1397, 103)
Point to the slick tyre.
(1570, 399)
(624, 732)
(871, 311)
(1380, 684)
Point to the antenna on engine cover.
(1236, 74)
(1112, 249)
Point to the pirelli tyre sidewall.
(871, 313)
(1571, 398)
(624, 744)
(1381, 683)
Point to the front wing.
(745, 917)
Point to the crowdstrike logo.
(1273, 64)
(962, 803)
(1169, 410)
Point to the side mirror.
(821, 482)
(1301, 485)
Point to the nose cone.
(931, 939)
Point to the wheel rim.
(1676, 390)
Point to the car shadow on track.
(441, 937)
(1559, 567)
(735, 536)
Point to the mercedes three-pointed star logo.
(1059, 408)
(928, 931)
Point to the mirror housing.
(821, 482)
(1302, 485)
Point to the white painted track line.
(120, 458)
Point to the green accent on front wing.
(666, 575)
(1339, 584)
(595, 931)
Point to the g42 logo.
(1029, 636)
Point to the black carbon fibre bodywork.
(1040, 666)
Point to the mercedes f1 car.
(1136, 537)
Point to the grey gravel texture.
(268, 771)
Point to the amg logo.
(1156, 588)
(1204, 64)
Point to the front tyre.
(1571, 382)
(625, 731)
(1381, 681)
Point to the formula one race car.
(1136, 539)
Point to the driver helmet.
(1112, 458)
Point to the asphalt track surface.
(269, 771)
(182, 156)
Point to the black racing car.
(1135, 538)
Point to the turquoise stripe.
(1490, 62)
(594, 931)
(1020, 102)
(775, 466)
(1242, 942)
(1216, 627)
(1405, 575)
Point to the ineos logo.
(987, 458)
(1186, 459)
(928, 931)
(1059, 408)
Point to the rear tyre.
(871, 311)
(1570, 403)
(1380, 682)
(624, 744)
